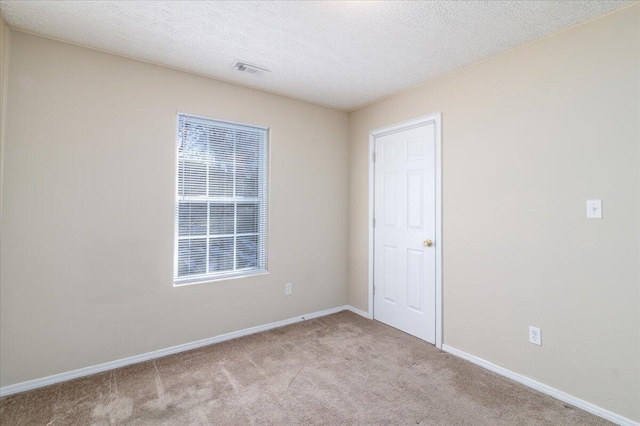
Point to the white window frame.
(223, 275)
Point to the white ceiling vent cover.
(249, 68)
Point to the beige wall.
(528, 137)
(4, 61)
(87, 231)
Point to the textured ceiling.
(342, 54)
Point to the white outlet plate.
(288, 289)
(535, 336)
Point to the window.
(220, 200)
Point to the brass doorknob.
(428, 243)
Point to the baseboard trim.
(553, 392)
(86, 371)
(359, 312)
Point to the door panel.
(390, 199)
(415, 261)
(390, 273)
(414, 199)
(404, 211)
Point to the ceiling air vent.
(249, 68)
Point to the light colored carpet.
(338, 369)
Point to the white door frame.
(373, 134)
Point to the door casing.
(419, 121)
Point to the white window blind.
(221, 200)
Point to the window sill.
(224, 277)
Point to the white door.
(404, 276)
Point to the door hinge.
(374, 222)
(373, 156)
(374, 290)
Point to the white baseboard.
(86, 371)
(358, 311)
(558, 394)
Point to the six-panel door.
(404, 212)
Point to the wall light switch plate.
(288, 289)
(594, 209)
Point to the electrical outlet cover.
(535, 336)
